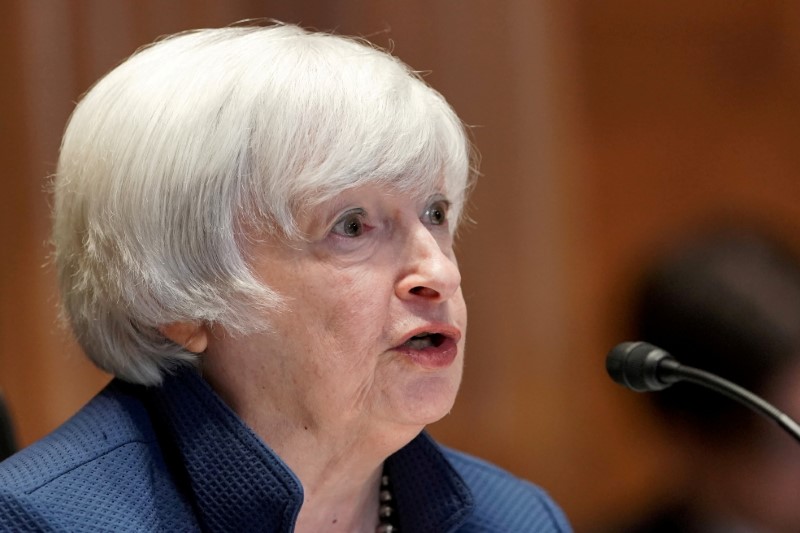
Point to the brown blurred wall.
(605, 128)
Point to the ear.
(190, 335)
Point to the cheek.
(458, 311)
(349, 311)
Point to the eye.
(436, 213)
(351, 224)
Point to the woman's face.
(372, 336)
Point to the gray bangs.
(410, 157)
(391, 130)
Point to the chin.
(427, 399)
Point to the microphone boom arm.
(671, 371)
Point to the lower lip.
(433, 357)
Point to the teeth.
(418, 342)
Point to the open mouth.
(425, 340)
(431, 350)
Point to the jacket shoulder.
(504, 502)
(100, 470)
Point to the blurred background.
(607, 130)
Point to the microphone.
(643, 367)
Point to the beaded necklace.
(386, 511)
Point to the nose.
(430, 272)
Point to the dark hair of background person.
(727, 302)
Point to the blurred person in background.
(7, 440)
(727, 301)
(254, 232)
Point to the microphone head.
(635, 365)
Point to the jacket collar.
(430, 495)
(238, 483)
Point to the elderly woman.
(254, 234)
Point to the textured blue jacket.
(176, 458)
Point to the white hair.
(170, 156)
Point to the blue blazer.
(176, 458)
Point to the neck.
(340, 475)
(340, 505)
